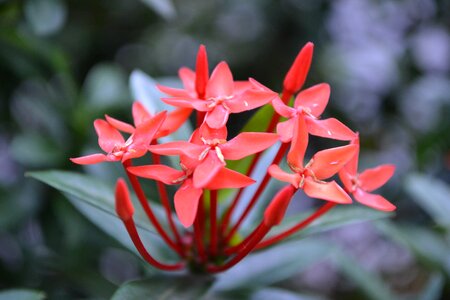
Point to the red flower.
(222, 97)
(322, 165)
(173, 121)
(115, 146)
(361, 184)
(311, 103)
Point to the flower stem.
(213, 223)
(148, 210)
(132, 231)
(322, 210)
(259, 234)
(198, 231)
(165, 202)
(258, 193)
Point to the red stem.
(258, 193)
(213, 223)
(200, 118)
(199, 229)
(322, 210)
(131, 228)
(165, 202)
(261, 231)
(148, 211)
(238, 247)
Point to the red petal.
(249, 100)
(371, 179)
(299, 143)
(180, 93)
(207, 170)
(90, 159)
(352, 166)
(247, 143)
(124, 206)
(297, 73)
(329, 128)
(218, 117)
(282, 109)
(201, 71)
(286, 130)
(209, 133)
(241, 86)
(178, 148)
(329, 191)
(187, 76)
(229, 179)
(315, 98)
(346, 179)
(157, 172)
(119, 125)
(175, 119)
(134, 151)
(375, 201)
(140, 114)
(108, 136)
(276, 172)
(221, 82)
(186, 203)
(146, 131)
(198, 104)
(328, 162)
(275, 211)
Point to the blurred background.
(64, 63)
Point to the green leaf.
(45, 16)
(95, 200)
(21, 294)
(432, 195)
(368, 282)
(434, 288)
(272, 265)
(163, 7)
(164, 287)
(428, 246)
(337, 217)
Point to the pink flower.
(222, 97)
(361, 184)
(311, 103)
(117, 149)
(322, 165)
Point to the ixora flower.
(210, 239)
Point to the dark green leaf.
(21, 294)
(164, 287)
(272, 265)
(95, 200)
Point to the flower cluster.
(207, 240)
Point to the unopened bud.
(124, 206)
(201, 72)
(296, 76)
(277, 208)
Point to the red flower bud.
(201, 72)
(295, 77)
(277, 208)
(124, 206)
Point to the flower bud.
(296, 76)
(277, 208)
(124, 206)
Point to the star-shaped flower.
(360, 185)
(112, 142)
(322, 165)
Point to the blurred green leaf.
(163, 7)
(105, 85)
(337, 217)
(368, 282)
(428, 246)
(21, 294)
(164, 287)
(432, 195)
(280, 294)
(95, 200)
(434, 288)
(272, 265)
(35, 150)
(45, 16)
